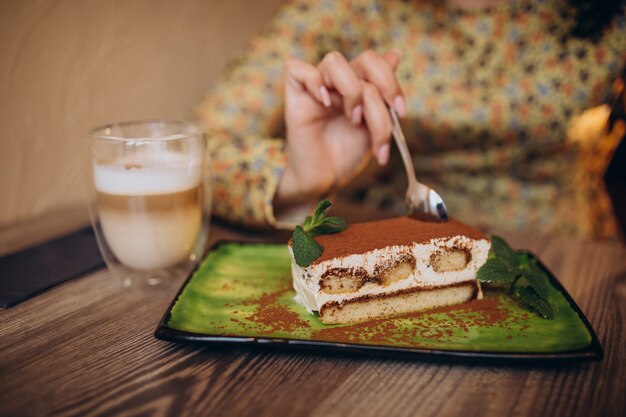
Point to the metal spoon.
(422, 201)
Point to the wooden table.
(87, 348)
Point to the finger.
(338, 104)
(375, 69)
(306, 76)
(378, 121)
(393, 58)
(339, 75)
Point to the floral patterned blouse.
(489, 94)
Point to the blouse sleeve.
(243, 114)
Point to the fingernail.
(357, 114)
(400, 106)
(382, 156)
(325, 96)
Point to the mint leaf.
(330, 225)
(536, 279)
(520, 273)
(305, 249)
(497, 271)
(320, 210)
(529, 297)
(308, 223)
(502, 250)
(312, 222)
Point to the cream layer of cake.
(390, 258)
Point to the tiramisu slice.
(391, 267)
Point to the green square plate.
(242, 293)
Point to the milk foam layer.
(135, 176)
(306, 281)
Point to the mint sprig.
(520, 274)
(305, 248)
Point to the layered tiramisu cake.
(391, 267)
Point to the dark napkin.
(29, 272)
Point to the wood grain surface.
(87, 348)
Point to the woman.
(485, 88)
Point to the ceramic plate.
(242, 293)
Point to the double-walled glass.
(150, 198)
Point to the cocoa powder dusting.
(273, 316)
(364, 237)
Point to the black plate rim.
(592, 352)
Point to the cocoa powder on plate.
(274, 316)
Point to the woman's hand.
(336, 117)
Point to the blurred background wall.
(69, 65)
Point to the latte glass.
(150, 199)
